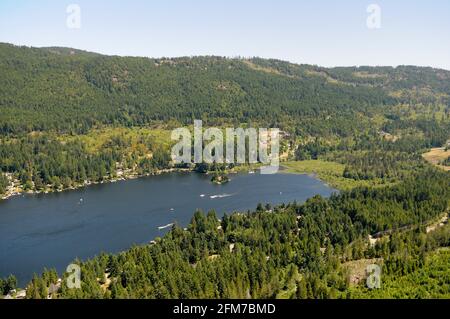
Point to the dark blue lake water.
(51, 230)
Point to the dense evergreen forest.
(289, 251)
(70, 118)
(72, 91)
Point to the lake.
(51, 230)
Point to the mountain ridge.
(64, 50)
(53, 89)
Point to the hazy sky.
(328, 33)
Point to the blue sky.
(327, 33)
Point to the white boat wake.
(220, 196)
(167, 226)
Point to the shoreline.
(90, 183)
(124, 177)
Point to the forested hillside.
(51, 98)
(72, 91)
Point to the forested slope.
(71, 91)
(51, 98)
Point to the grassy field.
(430, 281)
(96, 139)
(329, 172)
(436, 155)
(357, 269)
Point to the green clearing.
(96, 139)
(329, 172)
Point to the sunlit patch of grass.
(329, 172)
(436, 155)
(97, 138)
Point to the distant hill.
(70, 90)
